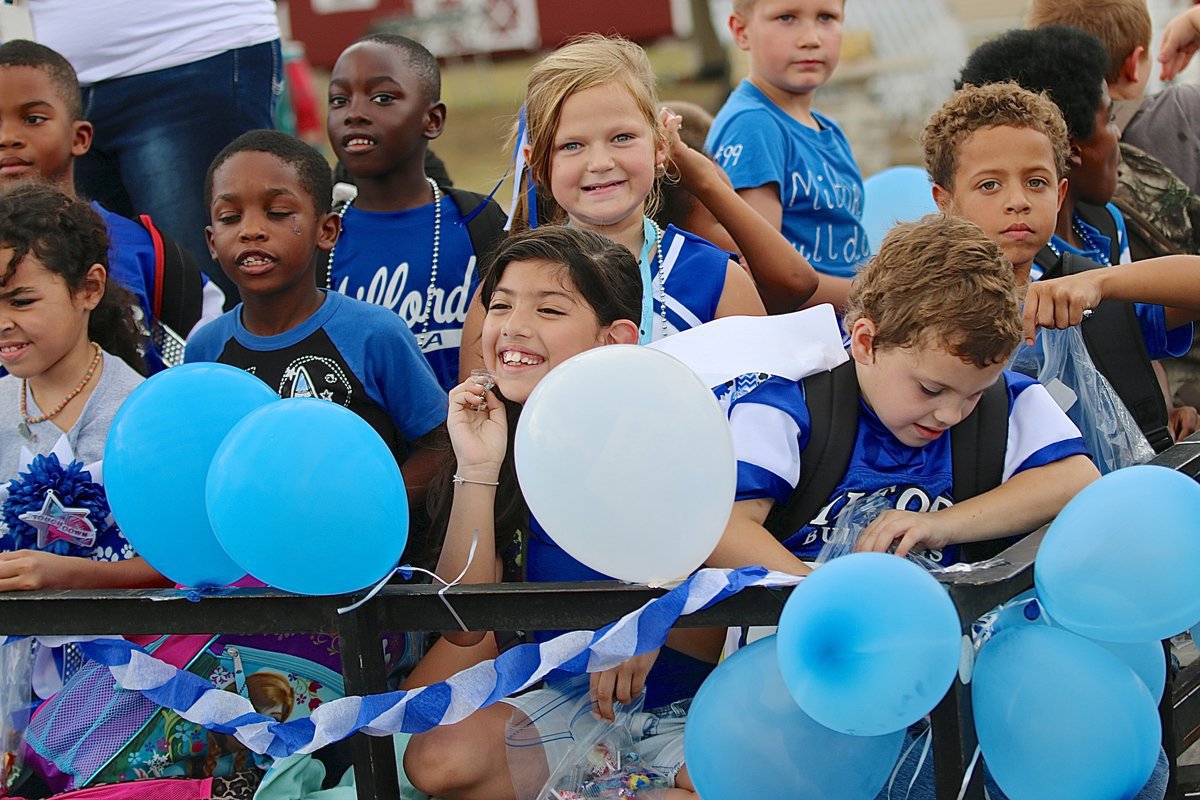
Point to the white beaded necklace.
(660, 278)
(423, 335)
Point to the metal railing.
(546, 606)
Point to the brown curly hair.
(974, 108)
(940, 281)
(67, 237)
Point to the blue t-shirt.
(385, 258)
(771, 423)
(1160, 342)
(820, 187)
(675, 676)
(350, 353)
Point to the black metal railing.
(543, 606)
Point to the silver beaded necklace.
(659, 279)
(1089, 244)
(423, 334)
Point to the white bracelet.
(459, 480)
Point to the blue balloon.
(1060, 717)
(869, 644)
(896, 194)
(305, 496)
(156, 461)
(1146, 659)
(746, 737)
(1121, 561)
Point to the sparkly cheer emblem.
(54, 521)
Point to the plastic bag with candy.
(601, 761)
(16, 665)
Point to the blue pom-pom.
(27, 492)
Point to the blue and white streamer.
(418, 710)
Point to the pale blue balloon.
(305, 496)
(1147, 659)
(1121, 562)
(156, 461)
(869, 643)
(896, 194)
(1061, 718)
(747, 738)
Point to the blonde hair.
(1121, 25)
(584, 62)
(974, 108)
(941, 281)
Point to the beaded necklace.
(652, 237)
(423, 334)
(1090, 245)
(26, 420)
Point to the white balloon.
(626, 461)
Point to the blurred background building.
(899, 61)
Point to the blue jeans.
(156, 134)
(923, 788)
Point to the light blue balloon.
(746, 737)
(156, 461)
(1146, 659)
(896, 194)
(1121, 562)
(869, 644)
(1061, 718)
(305, 496)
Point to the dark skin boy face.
(380, 116)
(265, 228)
(38, 137)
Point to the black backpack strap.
(485, 221)
(977, 448)
(1114, 340)
(832, 400)
(1100, 218)
(177, 297)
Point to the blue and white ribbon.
(422, 709)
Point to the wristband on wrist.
(459, 480)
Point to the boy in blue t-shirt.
(405, 243)
(42, 132)
(269, 197)
(791, 163)
(933, 318)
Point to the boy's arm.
(785, 278)
(1023, 503)
(830, 288)
(746, 542)
(1170, 281)
(1179, 43)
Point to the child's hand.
(908, 530)
(478, 428)
(693, 168)
(25, 570)
(1180, 40)
(1060, 302)
(624, 682)
(1184, 421)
